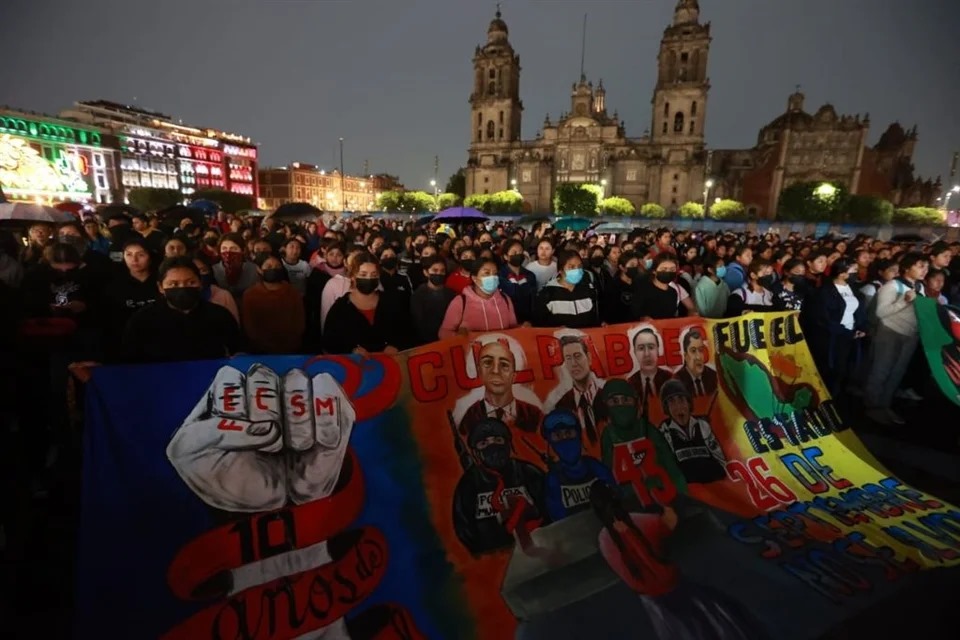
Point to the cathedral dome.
(497, 30)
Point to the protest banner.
(535, 483)
(939, 327)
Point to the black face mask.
(797, 280)
(417, 248)
(766, 281)
(260, 256)
(437, 279)
(666, 277)
(468, 263)
(389, 263)
(366, 286)
(273, 275)
(596, 262)
(633, 272)
(183, 298)
(495, 456)
(516, 260)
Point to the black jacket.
(828, 308)
(559, 307)
(346, 328)
(427, 309)
(160, 334)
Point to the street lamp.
(343, 193)
(706, 194)
(436, 194)
(513, 183)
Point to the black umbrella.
(296, 212)
(116, 211)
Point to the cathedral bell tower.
(495, 110)
(680, 97)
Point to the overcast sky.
(393, 76)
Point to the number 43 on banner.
(766, 492)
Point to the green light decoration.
(48, 131)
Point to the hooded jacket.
(471, 311)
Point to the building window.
(684, 57)
(479, 134)
(674, 189)
(664, 127)
(673, 201)
(486, 191)
(678, 122)
(98, 159)
(492, 87)
(480, 119)
(693, 126)
(631, 175)
(676, 176)
(693, 108)
(666, 110)
(501, 117)
(500, 134)
(101, 182)
(493, 74)
(491, 129)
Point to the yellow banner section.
(530, 437)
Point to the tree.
(918, 216)
(813, 202)
(390, 201)
(229, 201)
(691, 210)
(577, 199)
(505, 202)
(727, 210)
(151, 199)
(478, 201)
(617, 206)
(447, 200)
(417, 202)
(457, 183)
(652, 210)
(869, 210)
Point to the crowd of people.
(128, 287)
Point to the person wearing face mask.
(339, 285)
(599, 275)
(617, 298)
(155, 239)
(712, 293)
(659, 296)
(490, 486)
(410, 258)
(181, 325)
(840, 322)
(390, 277)
(755, 294)
(97, 266)
(233, 273)
(367, 320)
(568, 481)
(213, 293)
(273, 314)
(568, 300)
(481, 306)
(208, 247)
(518, 283)
(786, 296)
(461, 279)
(429, 303)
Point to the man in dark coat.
(699, 379)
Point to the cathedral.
(587, 144)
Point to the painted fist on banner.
(255, 442)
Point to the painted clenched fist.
(255, 442)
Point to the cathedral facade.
(666, 165)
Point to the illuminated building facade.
(45, 159)
(302, 182)
(160, 153)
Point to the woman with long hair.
(633, 546)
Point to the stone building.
(821, 147)
(588, 144)
(302, 182)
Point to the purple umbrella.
(460, 214)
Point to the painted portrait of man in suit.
(579, 395)
(649, 377)
(496, 367)
(699, 378)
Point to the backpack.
(873, 323)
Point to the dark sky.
(393, 76)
